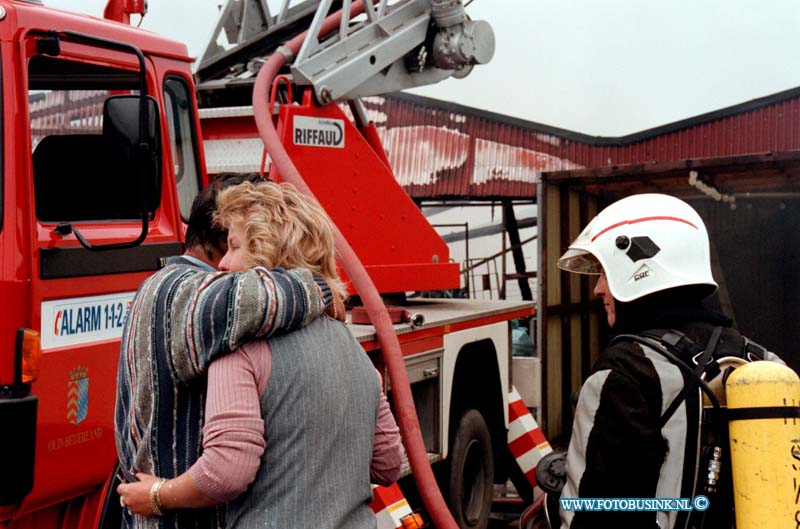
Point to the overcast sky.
(601, 67)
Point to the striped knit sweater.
(181, 319)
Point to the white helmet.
(644, 244)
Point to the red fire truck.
(102, 158)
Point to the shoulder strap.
(665, 341)
(705, 359)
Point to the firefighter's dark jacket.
(617, 449)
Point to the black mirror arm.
(65, 228)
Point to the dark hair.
(201, 232)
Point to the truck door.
(80, 182)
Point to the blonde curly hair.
(281, 227)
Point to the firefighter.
(635, 432)
(181, 319)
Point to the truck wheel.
(471, 472)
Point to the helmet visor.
(580, 262)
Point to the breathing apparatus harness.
(675, 346)
(704, 366)
(667, 341)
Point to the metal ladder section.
(392, 46)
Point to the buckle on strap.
(696, 359)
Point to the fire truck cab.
(100, 163)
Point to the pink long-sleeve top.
(233, 435)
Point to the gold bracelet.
(155, 497)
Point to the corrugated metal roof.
(440, 153)
(444, 150)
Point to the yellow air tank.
(763, 399)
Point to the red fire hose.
(404, 403)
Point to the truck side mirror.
(140, 156)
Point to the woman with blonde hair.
(274, 225)
(301, 418)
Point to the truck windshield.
(182, 141)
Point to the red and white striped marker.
(525, 439)
(390, 507)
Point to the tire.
(471, 472)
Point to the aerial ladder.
(391, 46)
